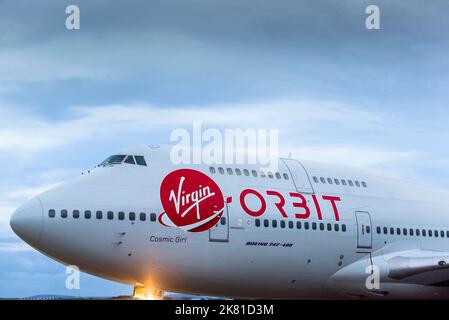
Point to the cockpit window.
(115, 159)
(130, 160)
(140, 160)
(122, 158)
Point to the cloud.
(44, 63)
(26, 193)
(310, 130)
(306, 128)
(250, 48)
(350, 156)
(33, 134)
(11, 198)
(28, 272)
(13, 247)
(5, 215)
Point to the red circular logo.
(192, 201)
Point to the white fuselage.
(240, 256)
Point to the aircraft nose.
(27, 221)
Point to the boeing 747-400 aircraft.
(305, 230)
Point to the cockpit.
(124, 158)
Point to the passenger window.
(229, 171)
(314, 225)
(63, 213)
(220, 170)
(110, 215)
(285, 176)
(350, 183)
(398, 231)
(246, 172)
(87, 214)
(266, 223)
(152, 217)
(329, 180)
(368, 229)
(430, 233)
(424, 232)
(282, 224)
(411, 231)
(223, 221)
(270, 175)
(343, 228)
(435, 233)
(212, 170)
(337, 182)
(378, 230)
(298, 224)
(322, 180)
(262, 174)
(306, 225)
(130, 160)
(417, 232)
(99, 215)
(254, 173)
(329, 227)
(121, 215)
(391, 230)
(76, 214)
(447, 234)
(257, 222)
(385, 230)
(343, 182)
(357, 183)
(274, 223)
(143, 216)
(364, 184)
(51, 213)
(238, 172)
(140, 160)
(315, 179)
(321, 226)
(290, 224)
(336, 227)
(442, 234)
(132, 216)
(278, 175)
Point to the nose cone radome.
(27, 221)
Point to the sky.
(138, 69)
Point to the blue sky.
(138, 69)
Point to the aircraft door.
(299, 176)
(364, 230)
(220, 232)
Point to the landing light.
(145, 293)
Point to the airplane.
(305, 231)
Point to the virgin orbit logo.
(192, 201)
